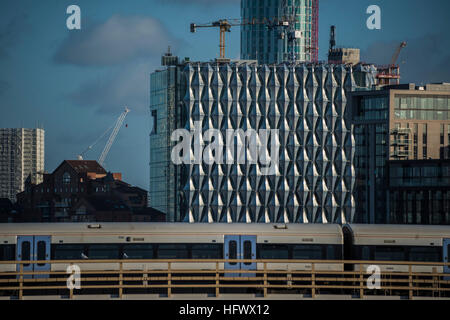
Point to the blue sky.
(75, 83)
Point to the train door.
(231, 251)
(34, 248)
(240, 247)
(446, 252)
(248, 251)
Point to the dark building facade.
(419, 192)
(82, 191)
(401, 122)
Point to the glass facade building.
(401, 122)
(163, 120)
(307, 103)
(258, 42)
(419, 192)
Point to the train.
(333, 244)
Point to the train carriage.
(414, 243)
(122, 241)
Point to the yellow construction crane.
(225, 25)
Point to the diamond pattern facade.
(308, 104)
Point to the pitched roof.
(86, 166)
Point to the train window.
(365, 253)
(67, 251)
(206, 251)
(247, 251)
(172, 251)
(41, 252)
(334, 252)
(389, 253)
(232, 251)
(138, 251)
(103, 251)
(273, 251)
(7, 252)
(26, 251)
(307, 252)
(431, 254)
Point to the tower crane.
(397, 52)
(116, 127)
(225, 25)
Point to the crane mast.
(116, 127)
(113, 135)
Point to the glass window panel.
(25, 251)
(206, 251)
(7, 252)
(273, 251)
(172, 251)
(247, 251)
(68, 251)
(392, 253)
(103, 251)
(232, 251)
(41, 252)
(138, 251)
(307, 252)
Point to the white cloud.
(118, 40)
(125, 86)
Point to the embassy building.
(304, 103)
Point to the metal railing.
(266, 280)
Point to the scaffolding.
(388, 75)
(401, 143)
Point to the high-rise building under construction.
(285, 30)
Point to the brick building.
(82, 190)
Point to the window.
(334, 252)
(389, 253)
(273, 251)
(7, 252)
(247, 251)
(66, 178)
(41, 252)
(103, 251)
(206, 251)
(172, 251)
(67, 251)
(25, 251)
(232, 251)
(425, 254)
(307, 252)
(365, 253)
(138, 251)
